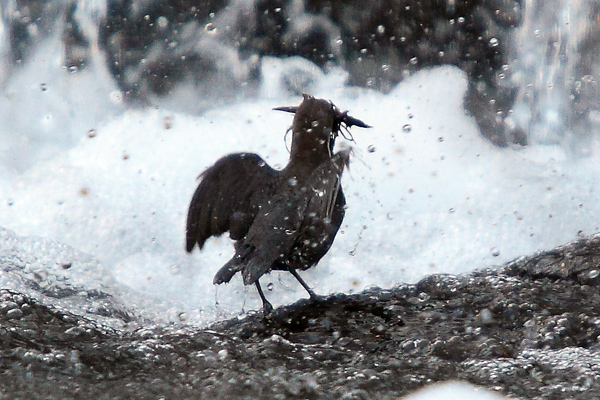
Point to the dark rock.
(529, 330)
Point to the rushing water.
(555, 69)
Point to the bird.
(279, 219)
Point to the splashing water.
(555, 67)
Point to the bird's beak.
(290, 109)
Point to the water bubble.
(494, 42)
(293, 181)
(451, 210)
(413, 61)
(314, 124)
(270, 286)
(440, 139)
(380, 29)
(14, 314)
(371, 149)
(495, 252)
(73, 69)
(91, 133)
(182, 316)
(385, 67)
(222, 354)
(407, 128)
(44, 87)
(593, 274)
(486, 316)
(410, 116)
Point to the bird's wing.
(324, 214)
(225, 198)
(292, 218)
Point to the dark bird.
(281, 220)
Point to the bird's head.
(317, 123)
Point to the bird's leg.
(312, 294)
(267, 307)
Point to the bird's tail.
(227, 271)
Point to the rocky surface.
(529, 329)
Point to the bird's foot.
(267, 309)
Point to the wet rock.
(530, 329)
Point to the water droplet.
(593, 274)
(92, 133)
(385, 67)
(440, 139)
(116, 97)
(371, 149)
(270, 286)
(314, 124)
(410, 116)
(162, 22)
(293, 181)
(413, 61)
(495, 252)
(407, 128)
(451, 210)
(168, 122)
(73, 69)
(380, 29)
(10, 202)
(44, 87)
(182, 316)
(494, 42)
